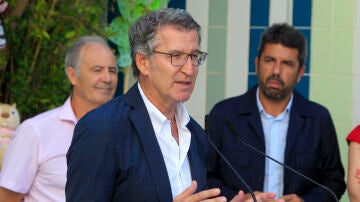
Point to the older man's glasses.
(180, 59)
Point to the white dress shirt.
(175, 155)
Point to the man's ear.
(301, 73)
(256, 64)
(71, 74)
(142, 63)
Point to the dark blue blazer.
(311, 148)
(115, 156)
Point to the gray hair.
(72, 56)
(142, 32)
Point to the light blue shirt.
(275, 131)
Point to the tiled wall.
(231, 31)
(331, 79)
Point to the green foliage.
(118, 29)
(34, 76)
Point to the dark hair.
(142, 32)
(286, 35)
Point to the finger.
(217, 199)
(187, 192)
(239, 197)
(266, 196)
(290, 198)
(286, 197)
(207, 194)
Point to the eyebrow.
(178, 51)
(101, 66)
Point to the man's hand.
(292, 198)
(206, 196)
(262, 197)
(212, 195)
(8, 195)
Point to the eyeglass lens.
(181, 59)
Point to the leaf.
(124, 59)
(159, 4)
(70, 34)
(46, 35)
(125, 7)
(117, 32)
(140, 10)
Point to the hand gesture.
(210, 195)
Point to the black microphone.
(207, 131)
(233, 131)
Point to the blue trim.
(259, 21)
(255, 35)
(303, 86)
(307, 34)
(259, 12)
(302, 10)
(252, 80)
(177, 4)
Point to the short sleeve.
(354, 135)
(21, 160)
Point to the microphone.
(233, 131)
(207, 131)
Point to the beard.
(275, 93)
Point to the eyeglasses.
(180, 59)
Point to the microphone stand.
(282, 164)
(225, 159)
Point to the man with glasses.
(143, 146)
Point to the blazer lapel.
(141, 121)
(296, 124)
(197, 170)
(256, 125)
(253, 114)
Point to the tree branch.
(18, 11)
(38, 46)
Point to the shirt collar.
(67, 113)
(261, 108)
(158, 119)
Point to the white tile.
(280, 11)
(237, 49)
(196, 105)
(357, 14)
(236, 83)
(199, 9)
(356, 67)
(356, 98)
(238, 13)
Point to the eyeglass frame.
(201, 57)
